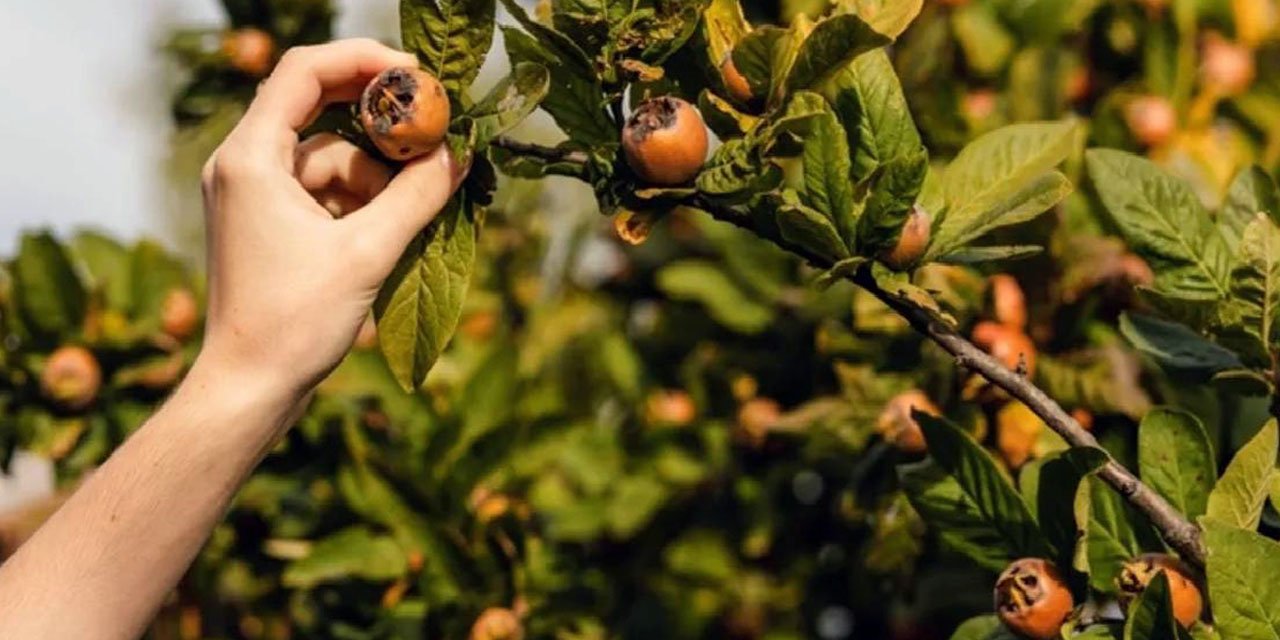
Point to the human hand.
(301, 235)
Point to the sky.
(84, 120)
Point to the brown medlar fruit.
(1184, 590)
(249, 50)
(665, 141)
(179, 313)
(1151, 119)
(734, 82)
(71, 377)
(1032, 599)
(405, 112)
(912, 241)
(1008, 303)
(899, 428)
(497, 623)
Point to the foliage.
(684, 438)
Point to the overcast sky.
(84, 120)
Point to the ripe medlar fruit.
(179, 313)
(1152, 119)
(1032, 599)
(899, 428)
(756, 417)
(734, 82)
(912, 241)
(670, 407)
(249, 50)
(665, 142)
(1184, 590)
(1226, 66)
(1008, 303)
(71, 377)
(405, 112)
(497, 623)
(1010, 346)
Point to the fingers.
(409, 203)
(308, 78)
(325, 164)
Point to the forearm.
(103, 564)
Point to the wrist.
(224, 386)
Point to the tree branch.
(542, 152)
(1179, 532)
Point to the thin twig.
(543, 152)
(1179, 532)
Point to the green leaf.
(1150, 617)
(1116, 534)
(635, 500)
(885, 143)
(1062, 501)
(450, 37)
(355, 552)
(826, 170)
(1252, 192)
(1007, 172)
(1176, 459)
(831, 45)
(1255, 289)
(758, 54)
(1241, 493)
(419, 305)
(723, 118)
(575, 99)
(1163, 220)
(986, 44)
(1038, 196)
(1242, 569)
(511, 101)
(985, 627)
(107, 264)
(50, 296)
(803, 227)
(703, 282)
(723, 26)
(154, 273)
(735, 171)
(980, 255)
(963, 494)
(1174, 346)
(889, 17)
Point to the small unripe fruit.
(665, 141)
(1184, 591)
(912, 241)
(671, 407)
(249, 50)
(179, 313)
(1152, 119)
(1032, 599)
(1226, 66)
(898, 427)
(405, 112)
(734, 82)
(71, 377)
(1084, 417)
(1008, 303)
(497, 623)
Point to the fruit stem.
(1180, 533)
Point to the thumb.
(409, 203)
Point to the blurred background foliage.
(677, 439)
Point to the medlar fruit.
(405, 112)
(1032, 599)
(912, 241)
(71, 377)
(899, 428)
(665, 141)
(1184, 590)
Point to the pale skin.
(301, 234)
